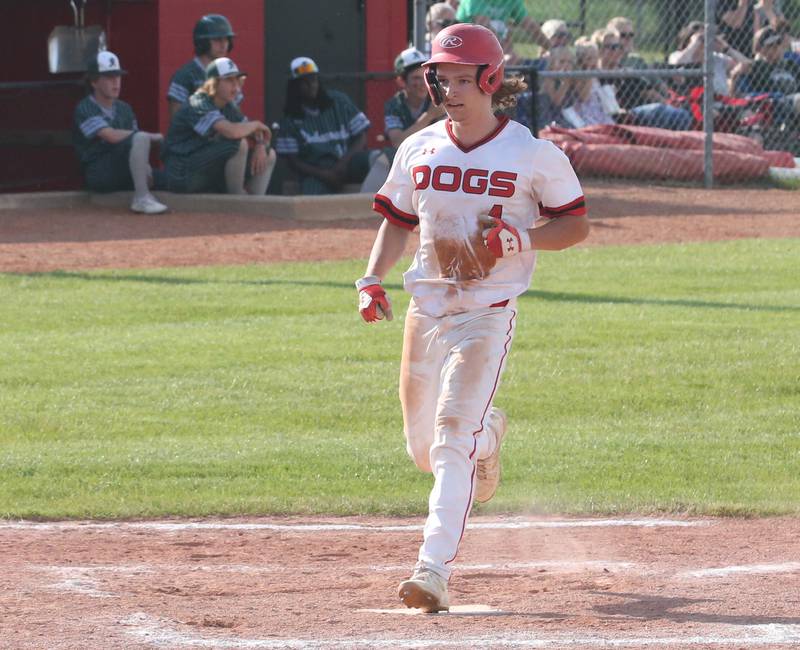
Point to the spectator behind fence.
(591, 104)
(727, 60)
(322, 133)
(656, 114)
(557, 32)
(736, 23)
(213, 38)
(439, 16)
(208, 147)
(409, 110)
(772, 72)
(635, 91)
(554, 93)
(624, 27)
(113, 152)
(766, 14)
(500, 16)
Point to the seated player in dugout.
(113, 152)
(213, 38)
(322, 133)
(211, 146)
(408, 111)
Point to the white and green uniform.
(105, 166)
(397, 113)
(321, 138)
(194, 153)
(187, 81)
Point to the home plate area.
(519, 582)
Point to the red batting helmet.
(469, 45)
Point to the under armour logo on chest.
(426, 150)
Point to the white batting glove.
(503, 239)
(373, 303)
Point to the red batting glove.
(373, 303)
(503, 239)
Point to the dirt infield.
(524, 583)
(102, 238)
(331, 583)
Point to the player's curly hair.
(506, 96)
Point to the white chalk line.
(722, 572)
(512, 524)
(160, 632)
(84, 580)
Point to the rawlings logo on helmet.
(451, 41)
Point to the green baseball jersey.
(90, 117)
(192, 127)
(186, 80)
(504, 10)
(320, 135)
(397, 114)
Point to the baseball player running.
(474, 183)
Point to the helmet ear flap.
(490, 79)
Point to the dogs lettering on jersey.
(447, 178)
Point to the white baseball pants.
(449, 374)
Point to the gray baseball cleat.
(425, 590)
(488, 469)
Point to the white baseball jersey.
(444, 187)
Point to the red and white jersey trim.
(383, 205)
(449, 126)
(576, 208)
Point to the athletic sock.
(235, 170)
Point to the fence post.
(710, 34)
(420, 11)
(533, 75)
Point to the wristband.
(366, 281)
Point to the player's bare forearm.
(390, 243)
(113, 136)
(359, 143)
(558, 234)
(239, 130)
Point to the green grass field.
(642, 379)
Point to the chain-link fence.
(625, 86)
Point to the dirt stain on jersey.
(460, 250)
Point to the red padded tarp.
(646, 152)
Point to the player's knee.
(243, 147)
(420, 454)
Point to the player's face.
(219, 47)
(108, 86)
(415, 85)
(309, 87)
(227, 88)
(611, 52)
(462, 96)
